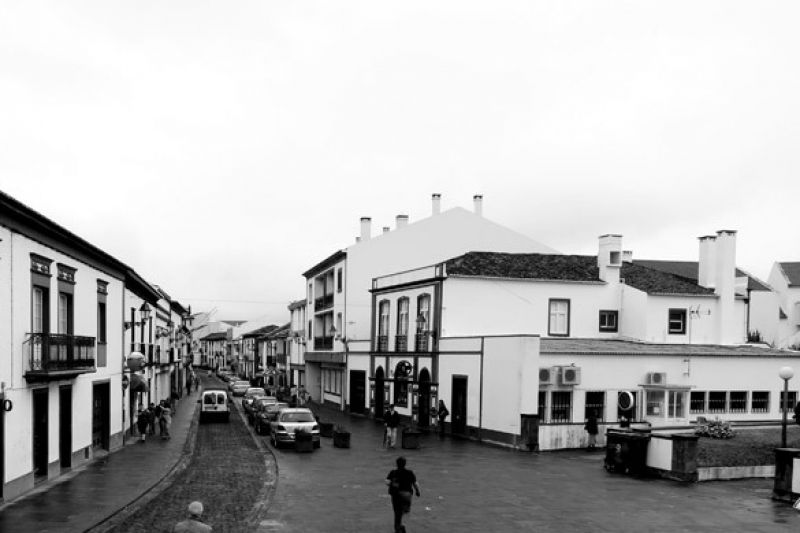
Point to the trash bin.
(303, 442)
(626, 451)
(410, 439)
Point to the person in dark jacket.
(401, 481)
(391, 421)
(442, 413)
(591, 429)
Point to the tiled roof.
(566, 268)
(219, 336)
(525, 266)
(550, 346)
(654, 281)
(260, 331)
(689, 269)
(792, 273)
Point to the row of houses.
(71, 316)
(522, 342)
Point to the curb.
(116, 518)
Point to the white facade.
(786, 293)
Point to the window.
(542, 405)
(339, 280)
(65, 313)
(561, 406)
(759, 401)
(676, 407)
(697, 402)
(608, 320)
(738, 401)
(595, 402)
(383, 318)
(39, 319)
(717, 401)
(792, 401)
(402, 316)
(332, 381)
(309, 330)
(655, 402)
(558, 324)
(424, 312)
(310, 293)
(677, 321)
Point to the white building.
(785, 281)
(610, 327)
(297, 344)
(337, 288)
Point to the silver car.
(290, 421)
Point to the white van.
(214, 405)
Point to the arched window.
(423, 322)
(383, 326)
(401, 339)
(401, 377)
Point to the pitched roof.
(792, 272)
(260, 331)
(689, 270)
(555, 346)
(218, 336)
(557, 267)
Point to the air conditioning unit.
(570, 375)
(548, 376)
(656, 378)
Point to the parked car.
(214, 405)
(266, 414)
(251, 394)
(238, 388)
(258, 404)
(291, 420)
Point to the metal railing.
(401, 343)
(421, 342)
(146, 349)
(323, 343)
(323, 302)
(50, 352)
(383, 343)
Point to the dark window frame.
(608, 313)
(561, 406)
(681, 315)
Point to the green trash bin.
(626, 451)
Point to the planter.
(341, 439)
(303, 442)
(410, 439)
(326, 429)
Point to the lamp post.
(786, 373)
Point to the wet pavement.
(471, 487)
(91, 494)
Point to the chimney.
(386, 229)
(725, 288)
(402, 221)
(477, 201)
(436, 201)
(609, 257)
(366, 228)
(705, 265)
(627, 256)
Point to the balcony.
(421, 342)
(383, 343)
(53, 356)
(323, 343)
(323, 302)
(401, 343)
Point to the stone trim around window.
(40, 264)
(66, 273)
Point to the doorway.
(458, 422)
(380, 405)
(100, 416)
(424, 399)
(65, 426)
(40, 445)
(358, 384)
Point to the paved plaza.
(465, 486)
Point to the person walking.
(442, 413)
(166, 421)
(591, 429)
(194, 523)
(391, 421)
(156, 416)
(401, 481)
(142, 421)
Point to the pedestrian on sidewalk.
(193, 524)
(189, 382)
(442, 413)
(391, 421)
(155, 413)
(591, 429)
(166, 421)
(151, 419)
(401, 481)
(142, 421)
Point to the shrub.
(716, 429)
(754, 336)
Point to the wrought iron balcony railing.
(383, 343)
(401, 343)
(323, 302)
(323, 343)
(421, 341)
(58, 355)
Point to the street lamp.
(786, 373)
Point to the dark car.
(266, 415)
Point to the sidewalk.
(82, 499)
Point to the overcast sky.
(223, 148)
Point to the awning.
(138, 383)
